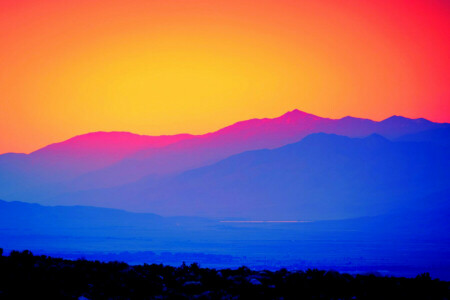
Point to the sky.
(167, 67)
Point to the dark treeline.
(26, 276)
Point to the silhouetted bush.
(25, 276)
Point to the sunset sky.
(166, 67)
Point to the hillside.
(321, 177)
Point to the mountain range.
(324, 176)
(296, 166)
(24, 220)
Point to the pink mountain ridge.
(107, 159)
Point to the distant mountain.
(71, 158)
(99, 149)
(31, 218)
(101, 160)
(324, 176)
(26, 221)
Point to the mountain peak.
(298, 115)
(395, 118)
(297, 112)
(401, 120)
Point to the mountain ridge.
(294, 112)
(117, 161)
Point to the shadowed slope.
(439, 136)
(321, 177)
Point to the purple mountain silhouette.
(100, 160)
(243, 136)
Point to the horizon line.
(296, 110)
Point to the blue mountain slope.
(438, 136)
(324, 176)
(30, 218)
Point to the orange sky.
(165, 67)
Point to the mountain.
(23, 222)
(32, 218)
(243, 136)
(71, 166)
(71, 158)
(324, 176)
(99, 149)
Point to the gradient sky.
(165, 67)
